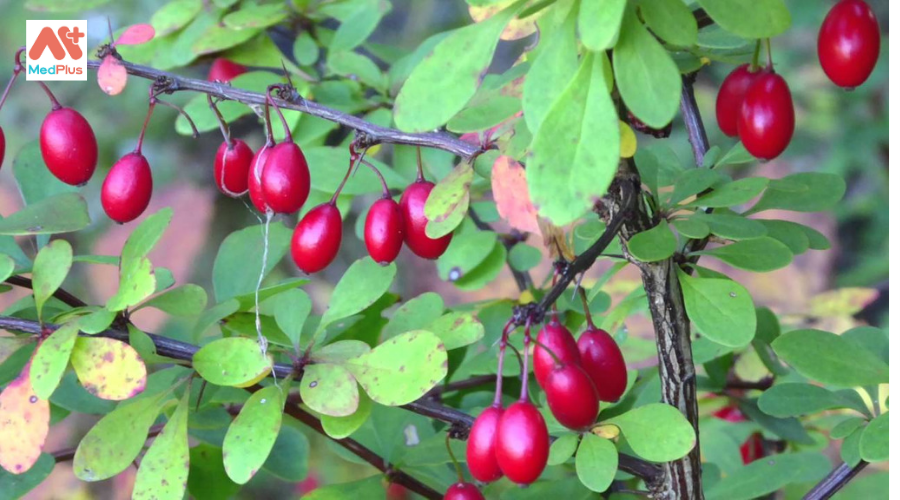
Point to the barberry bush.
(556, 144)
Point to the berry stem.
(270, 137)
(140, 142)
(769, 53)
(183, 113)
(420, 176)
(553, 310)
(523, 394)
(53, 102)
(385, 192)
(556, 359)
(18, 68)
(504, 339)
(287, 130)
(354, 160)
(459, 473)
(226, 133)
(754, 63)
(587, 310)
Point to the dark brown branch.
(64, 296)
(461, 385)
(692, 120)
(373, 134)
(834, 481)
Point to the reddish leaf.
(111, 76)
(24, 422)
(136, 35)
(511, 195)
(108, 368)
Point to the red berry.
(384, 231)
(412, 206)
(523, 444)
(317, 238)
(849, 41)
(766, 122)
(730, 414)
(571, 396)
(557, 338)
(480, 447)
(253, 177)
(224, 70)
(731, 95)
(396, 492)
(68, 146)
(232, 166)
(285, 179)
(127, 188)
(2, 146)
(602, 360)
(752, 449)
(463, 491)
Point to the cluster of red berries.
(576, 376)
(755, 103)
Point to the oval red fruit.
(285, 179)
(571, 396)
(557, 338)
(731, 95)
(463, 491)
(68, 146)
(480, 455)
(232, 166)
(603, 362)
(253, 177)
(849, 42)
(523, 444)
(127, 188)
(2, 146)
(224, 70)
(317, 238)
(766, 123)
(383, 231)
(412, 206)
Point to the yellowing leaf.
(841, 302)
(448, 201)
(234, 361)
(511, 195)
(51, 266)
(555, 240)
(164, 469)
(51, 358)
(109, 368)
(628, 141)
(252, 434)
(516, 29)
(24, 422)
(329, 389)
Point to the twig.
(834, 481)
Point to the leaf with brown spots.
(252, 434)
(329, 389)
(24, 422)
(511, 195)
(108, 368)
(233, 361)
(51, 265)
(51, 359)
(402, 369)
(448, 202)
(341, 427)
(164, 468)
(338, 352)
(113, 443)
(457, 329)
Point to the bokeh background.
(837, 131)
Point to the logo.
(56, 50)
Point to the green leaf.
(671, 20)
(468, 249)
(136, 283)
(340, 351)
(164, 468)
(578, 140)
(457, 329)
(762, 477)
(51, 359)
(850, 448)
(233, 361)
(553, 68)
(731, 226)
(733, 193)
(485, 272)
(213, 315)
(654, 244)
(353, 65)
(239, 260)
(35, 180)
(738, 154)
(791, 234)
(448, 201)
(187, 300)
(115, 441)
(596, 462)
(341, 427)
(146, 235)
(523, 257)
(758, 19)
(789, 429)
(443, 83)
(62, 213)
(329, 389)
(646, 75)
(720, 309)
(805, 192)
(693, 181)
(758, 255)
(292, 307)
(793, 400)
(656, 432)
(175, 15)
(363, 283)
(485, 115)
(255, 16)
(289, 459)
(207, 479)
(830, 359)
(691, 228)
(876, 485)
(217, 38)
(562, 449)
(402, 369)
(16, 486)
(51, 266)
(59, 6)
(252, 434)
(599, 22)
(415, 314)
(357, 27)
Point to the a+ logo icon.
(74, 35)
